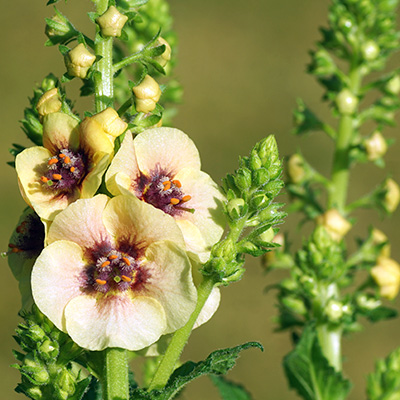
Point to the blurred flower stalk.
(329, 287)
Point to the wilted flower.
(147, 94)
(69, 166)
(161, 166)
(387, 276)
(115, 274)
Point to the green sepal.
(305, 120)
(229, 390)
(50, 2)
(309, 372)
(81, 389)
(380, 314)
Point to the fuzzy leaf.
(230, 390)
(380, 314)
(309, 372)
(81, 388)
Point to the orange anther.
(44, 179)
(105, 263)
(67, 160)
(174, 201)
(101, 281)
(12, 246)
(126, 278)
(72, 169)
(61, 155)
(177, 183)
(113, 257)
(57, 177)
(167, 185)
(186, 198)
(16, 250)
(126, 261)
(53, 161)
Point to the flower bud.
(392, 196)
(296, 170)
(267, 236)
(163, 58)
(49, 350)
(260, 177)
(387, 276)
(36, 333)
(393, 85)
(78, 61)
(110, 121)
(334, 223)
(378, 237)
(346, 102)
(367, 302)
(147, 94)
(243, 179)
(375, 146)
(370, 50)
(66, 382)
(49, 103)
(59, 29)
(34, 393)
(294, 304)
(334, 310)
(111, 22)
(235, 208)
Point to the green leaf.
(230, 390)
(218, 362)
(380, 314)
(94, 391)
(81, 388)
(309, 372)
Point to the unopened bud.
(110, 121)
(243, 179)
(112, 22)
(370, 50)
(367, 302)
(392, 196)
(49, 349)
(393, 85)
(376, 146)
(379, 237)
(49, 103)
(36, 333)
(267, 236)
(296, 170)
(334, 224)
(334, 310)
(260, 177)
(78, 61)
(294, 304)
(66, 382)
(235, 208)
(147, 95)
(346, 102)
(34, 393)
(59, 29)
(387, 276)
(163, 58)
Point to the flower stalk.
(115, 378)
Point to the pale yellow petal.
(167, 148)
(81, 223)
(171, 282)
(209, 309)
(56, 279)
(93, 179)
(117, 321)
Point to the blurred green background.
(242, 65)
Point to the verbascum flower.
(26, 243)
(70, 165)
(147, 94)
(114, 274)
(161, 166)
(387, 276)
(334, 223)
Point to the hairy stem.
(115, 376)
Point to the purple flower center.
(65, 171)
(163, 192)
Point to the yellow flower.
(161, 166)
(387, 276)
(69, 166)
(114, 274)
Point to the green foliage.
(230, 390)
(384, 383)
(309, 372)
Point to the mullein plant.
(125, 242)
(330, 287)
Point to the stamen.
(57, 177)
(167, 185)
(113, 257)
(174, 201)
(177, 183)
(53, 161)
(12, 246)
(67, 160)
(186, 198)
(61, 155)
(101, 281)
(44, 179)
(72, 169)
(105, 263)
(126, 261)
(126, 278)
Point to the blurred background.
(242, 65)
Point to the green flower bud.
(375, 146)
(346, 24)
(78, 61)
(267, 236)
(259, 201)
(48, 83)
(275, 171)
(49, 350)
(288, 284)
(41, 376)
(34, 393)
(272, 189)
(308, 282)
(393, 85)
(235, 208)
(31, 361)
(370, 50)
(243, 179)
(271, 212)
(260, 177)
(225, 250)
(346, 102)
(334, 311)
(59, 29)
(392, 197)
(254, 161)
(66, 382)
(36, 333)
(111, 22)
(295, 305)
(268, 151)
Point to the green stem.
(115, 377)
(126, 61)
(180, 338)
